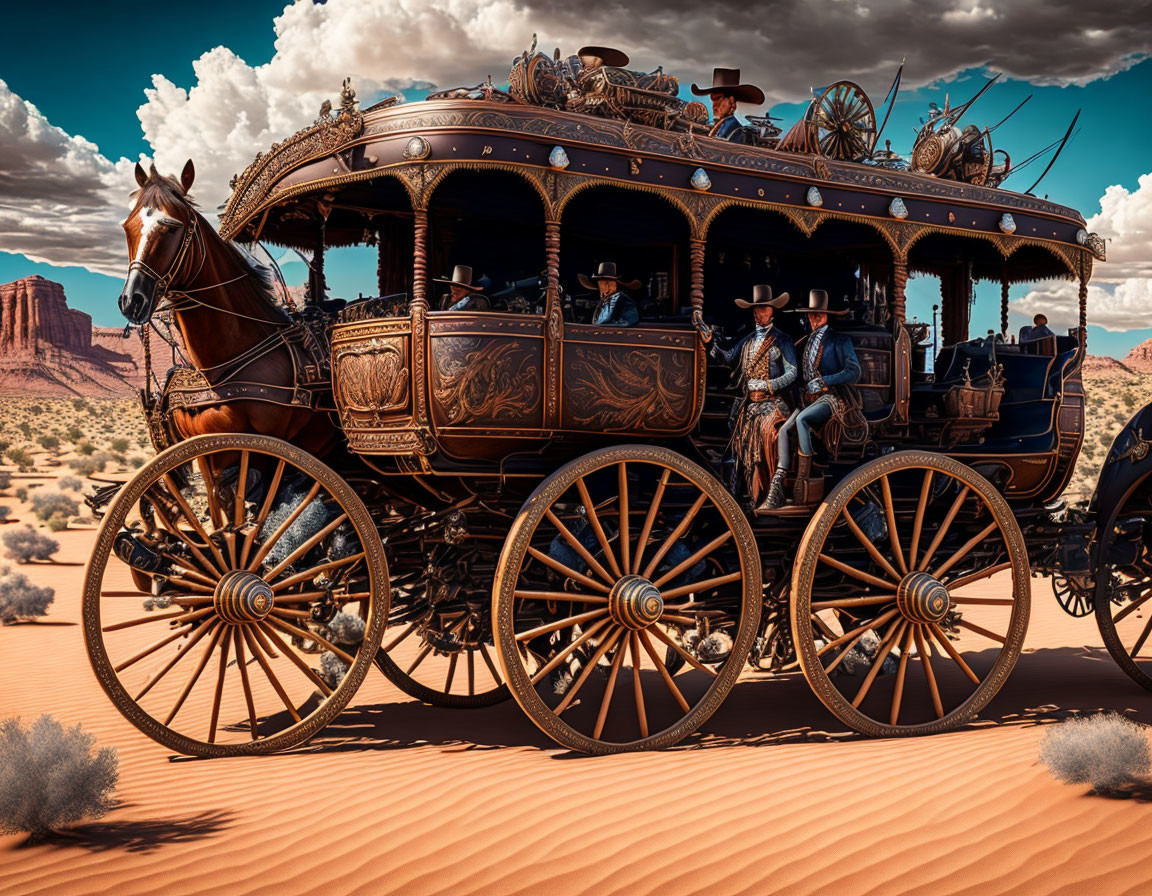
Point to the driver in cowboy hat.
(463, 295)
(765, 360)
(828, 368)
(726, 91)
(595, 57)
(615, 308)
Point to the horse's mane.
(163, 191)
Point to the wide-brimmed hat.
(818, 304)
(462, 277)
(761, 296)
(606, 271)
(607, 55)
(727, 80)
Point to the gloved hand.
(815, 386)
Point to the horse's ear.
(187, 175)
(141, 175)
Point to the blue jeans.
(803, 422)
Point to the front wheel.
(910, 595)
(626, 600)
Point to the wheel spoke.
(180, 632)
(853, 636)
(964, 623)
(934, 631)
(307, 574)
(195, 676)
(209, 481)
(207, 566)
(625, 533)
(855, 573)
(697, 587)
(894, 718)
(287, 651)
(250, 635)
(451, 672)
(676, 533)
(191, 517)
(842, 603)
(1139, 602)
(262, 516)
(691, 660)
(663, 670)
(496, 676)
(312, 636)
(584, 553)
(566, 571)
(926, 660)
(872, 550)
(193, 640)
(427, 649)
(1143, 637)
(604, 647)
(594, 521)
(568, 649)
(637, 686)
(404, 634)
(242, 662)
(224, 645)
(471, 673)
(609, 689)
(270, 542)
(184, 616)
(944, 526)
(957, 584)
(878, 661)
(650, 519)
(890, 514)
(303, 549)
(566, 596)
(984, 601)
(966, 549)
(695, 558)
(559, 624)
(918, 523)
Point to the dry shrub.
(5, 479)
(70, 483)
(26, 544)
(5, 512)
(1105, 750)
(49, 504)
(20, 599)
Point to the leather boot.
(809, 489)
(775, 499)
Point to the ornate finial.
(325, 108)
(347, 97)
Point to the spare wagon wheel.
(1124, 592)
(617, 558)
(899, 627)
(266, 596)
(844, 121)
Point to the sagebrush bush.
(1105, 750)
(70, 483)
(5, 479)
(5, 512)
(49, 504)
(21, 458)
(26, 544)
(20, 599)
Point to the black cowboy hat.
(818, 304)
(607, 55)
(606, 271)
(727, 80)
(761, 296)
(462, 277)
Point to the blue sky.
(93, 81)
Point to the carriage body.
(519, 464)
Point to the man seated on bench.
(615, 308)
(462, 294)
(1039, 330)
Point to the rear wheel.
(626, 600)
(900, 626)
(236, 596)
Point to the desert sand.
(773, 796)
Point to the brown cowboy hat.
(818, 304)
(727, 80)
(606, 271)
(762, 295)
(461, 276)
(607, 55)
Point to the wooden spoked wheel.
(1124, 584)
(910, 595)
(236, 596)
(621, 566)
(845, 122)
(445, 658)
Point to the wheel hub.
(635, 603)
(242, 596)
(922, 598)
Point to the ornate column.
(1004, 308)
(1084, 275)
(316, 282)
(696, 273)
(899, 283)
(418, 309)
(553, 325)
(419, 260)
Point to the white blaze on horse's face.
(150, 220)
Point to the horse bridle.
(163, 281)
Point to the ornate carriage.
(534, 505)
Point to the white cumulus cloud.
(1125, 306)
(1125, 221)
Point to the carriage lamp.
(897, 208)
(417, 148)
(700, 180)
(1082, 236)
(558, 158)
(1007, 223)
(814, 197)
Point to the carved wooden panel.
(633, 381)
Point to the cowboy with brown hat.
(595, 57)
(766, 363)
(615, 308)
(726, 92)
(462, 295)
(828, 369)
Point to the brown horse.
(223, 306)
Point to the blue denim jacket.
(618, 310)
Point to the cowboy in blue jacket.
(615, 308)
(828, 369)
(726, 92)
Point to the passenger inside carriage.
(462, 294)
(615, 308)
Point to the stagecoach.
(516, 502)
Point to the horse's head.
(160, 232)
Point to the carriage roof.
(406, 149)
